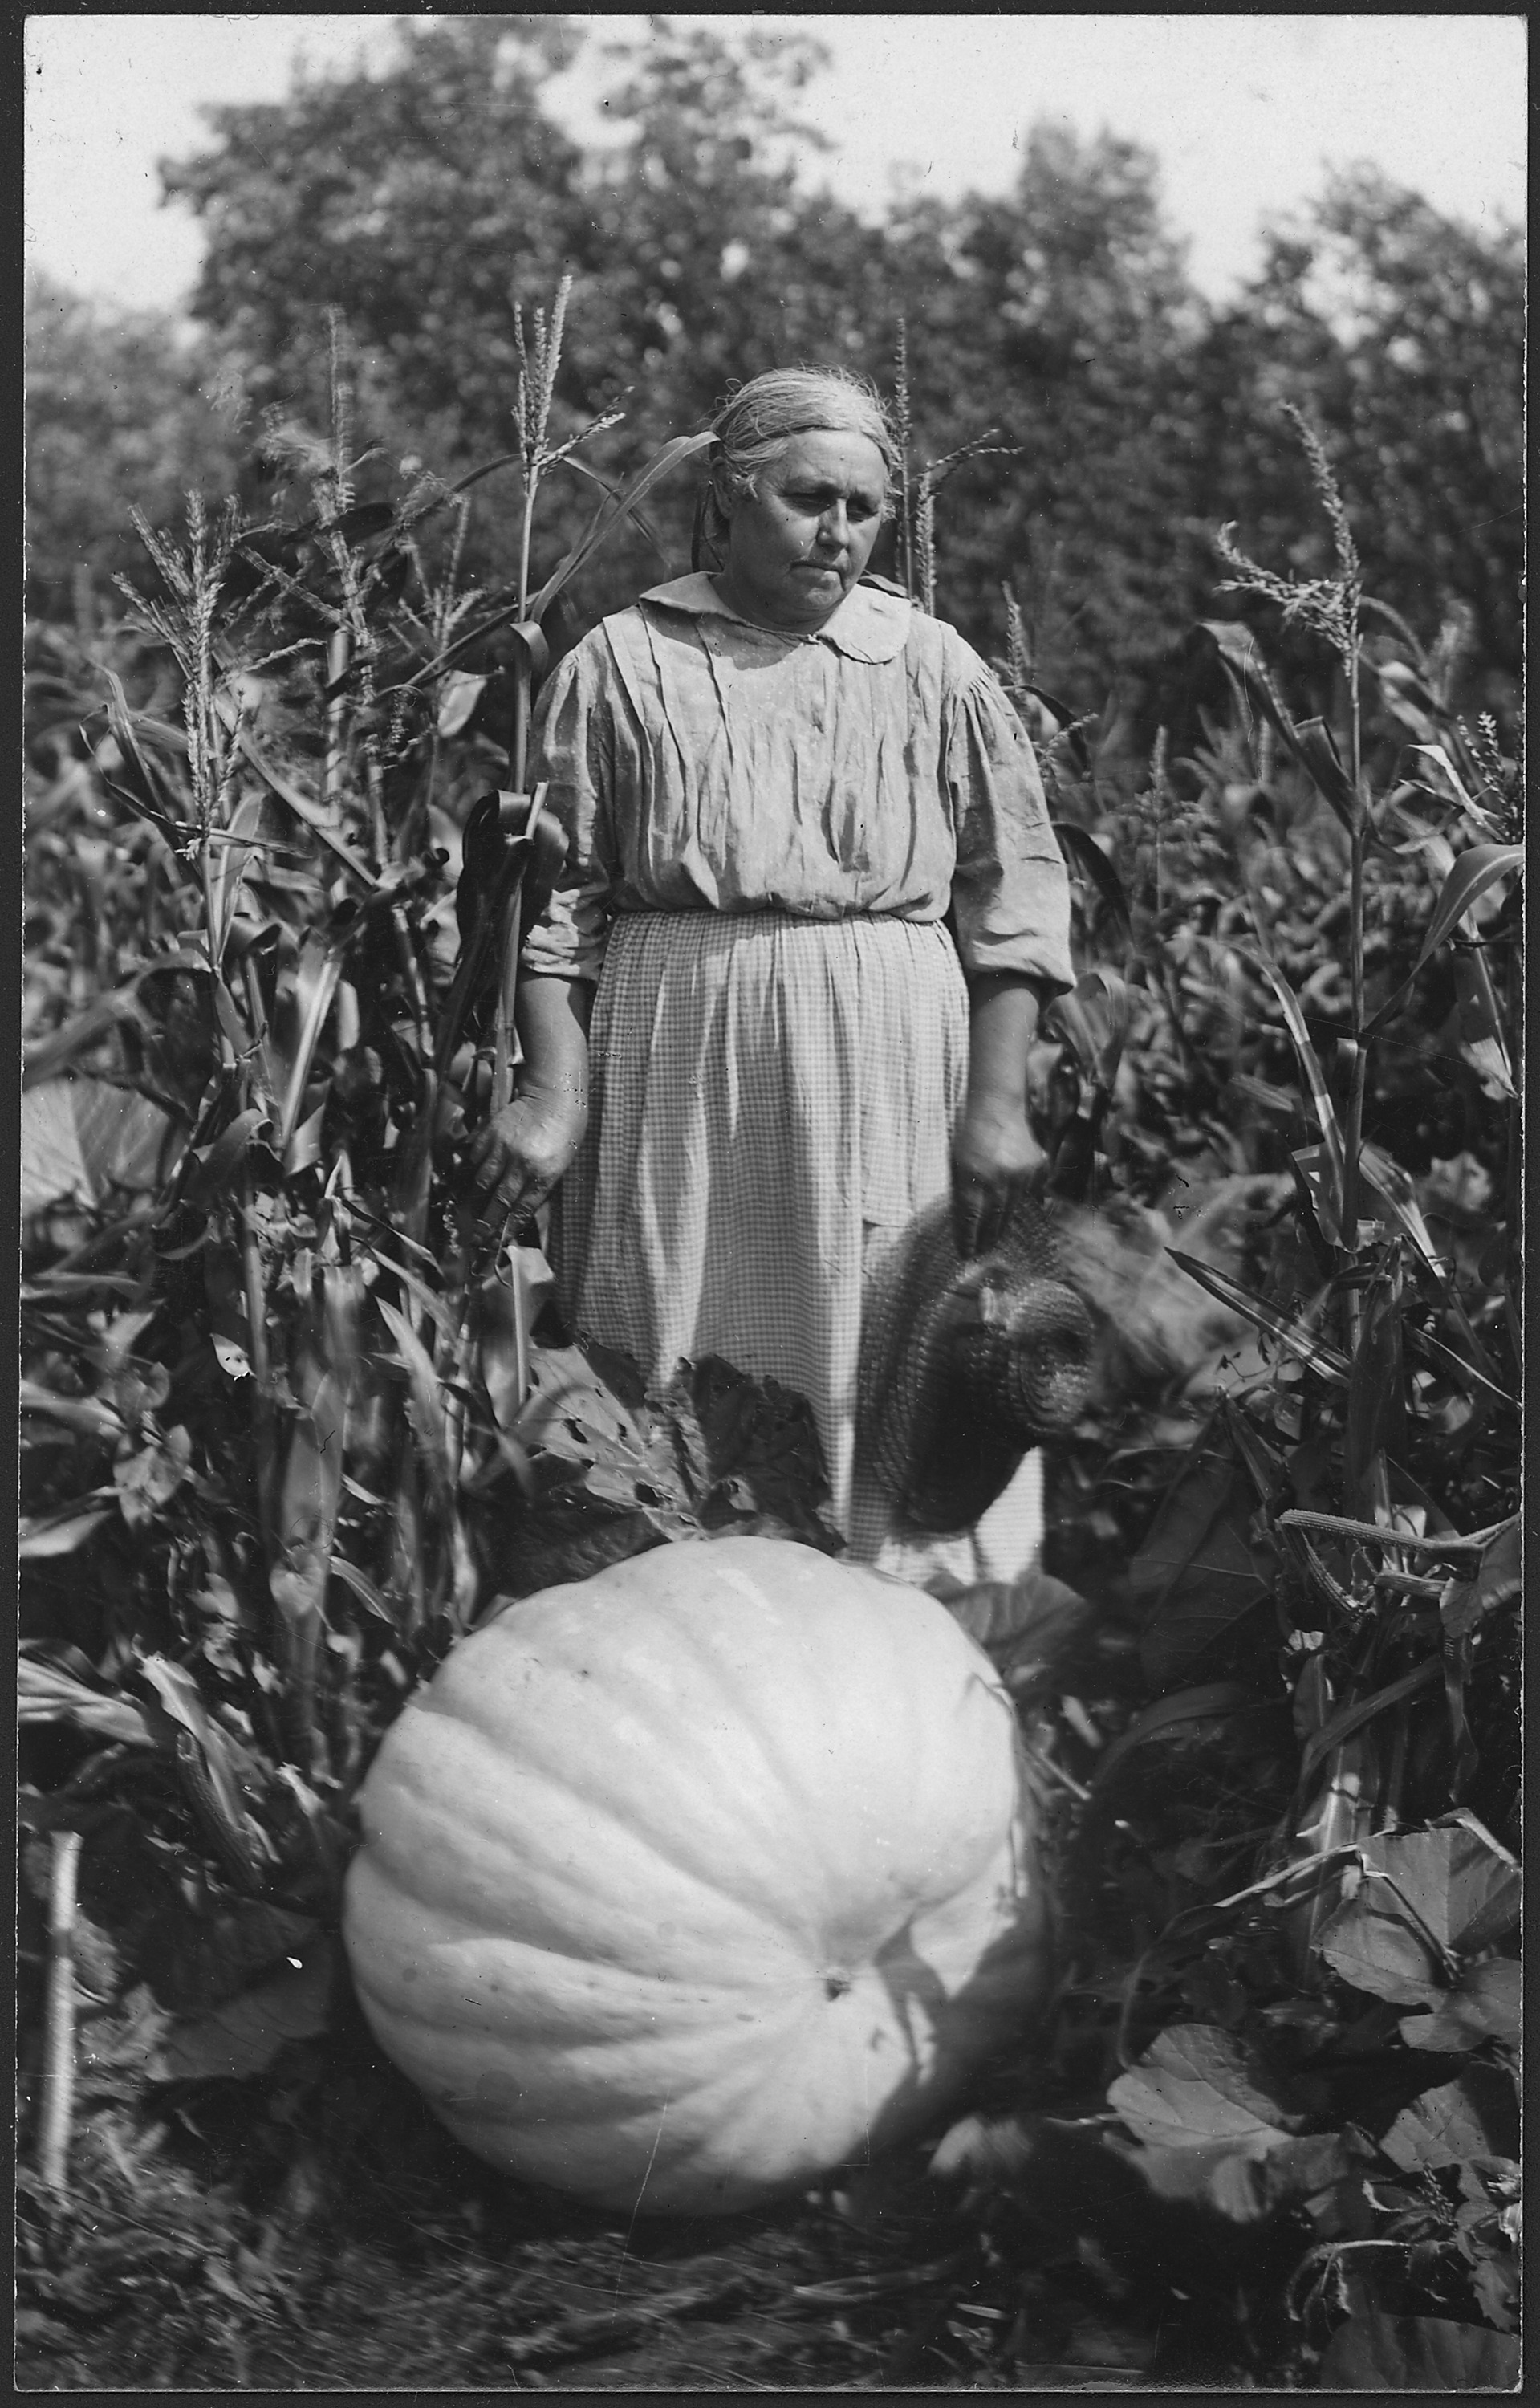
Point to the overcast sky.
(1244, 113)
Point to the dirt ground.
(380, 2256)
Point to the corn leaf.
(1308, 1059)
(1311, 1350)
(81, 1137)
(1084, 854)
(612, 510)
(1483, 1036)
(1438, 755)
(1364, 1709)
(47, 1694)
(425, 1391)
(311, 1493)
(1471, 875)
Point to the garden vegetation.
(291, 1424)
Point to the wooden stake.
(59, 2027)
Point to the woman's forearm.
(1002, 1024)
(552, 1017)
(994, 1152)
(516, 1157)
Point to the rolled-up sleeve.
(1010, 890)
(572, 750)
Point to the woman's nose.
(834, 527)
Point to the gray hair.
(755, 424)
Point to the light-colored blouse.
(696, 762)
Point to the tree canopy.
(427, 202)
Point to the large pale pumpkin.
(694, 1880)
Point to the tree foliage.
(425, 200)
(117, 416)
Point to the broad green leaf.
(82, 1137)
(197, 1957)
(1374, 1946)
(1005, 1616)
(244, 2037)
(1428, 1896)
(457, 695)
(1378, 2353)
(1474, 2116)
(1497, 1580)
(1464, 1886)
(573, 1410)
(760, 1447)
(1200, 1704)
(1486, 2003)
(1197, 1561)
(1242, 2180)
(1196, 2085)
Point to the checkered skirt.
(772, 1101)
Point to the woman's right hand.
(516, 1157)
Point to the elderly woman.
(776, 781)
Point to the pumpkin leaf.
(1195, 2084)
(1009, 1618)
(1197, 1567)
(1497, 1581)
(244, 2036)
(1378, 2353)
(1485, 2004)
(759, 1446)
(1242, 2180)
(1212, 1698)
(1429, 1898)
(1474, 2116)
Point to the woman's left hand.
(995, 1157)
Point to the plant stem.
(59, 2028)
(1354, 1133)
(519, 758)
(338, 653)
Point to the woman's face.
(795, 547)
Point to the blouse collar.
(869, 624)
